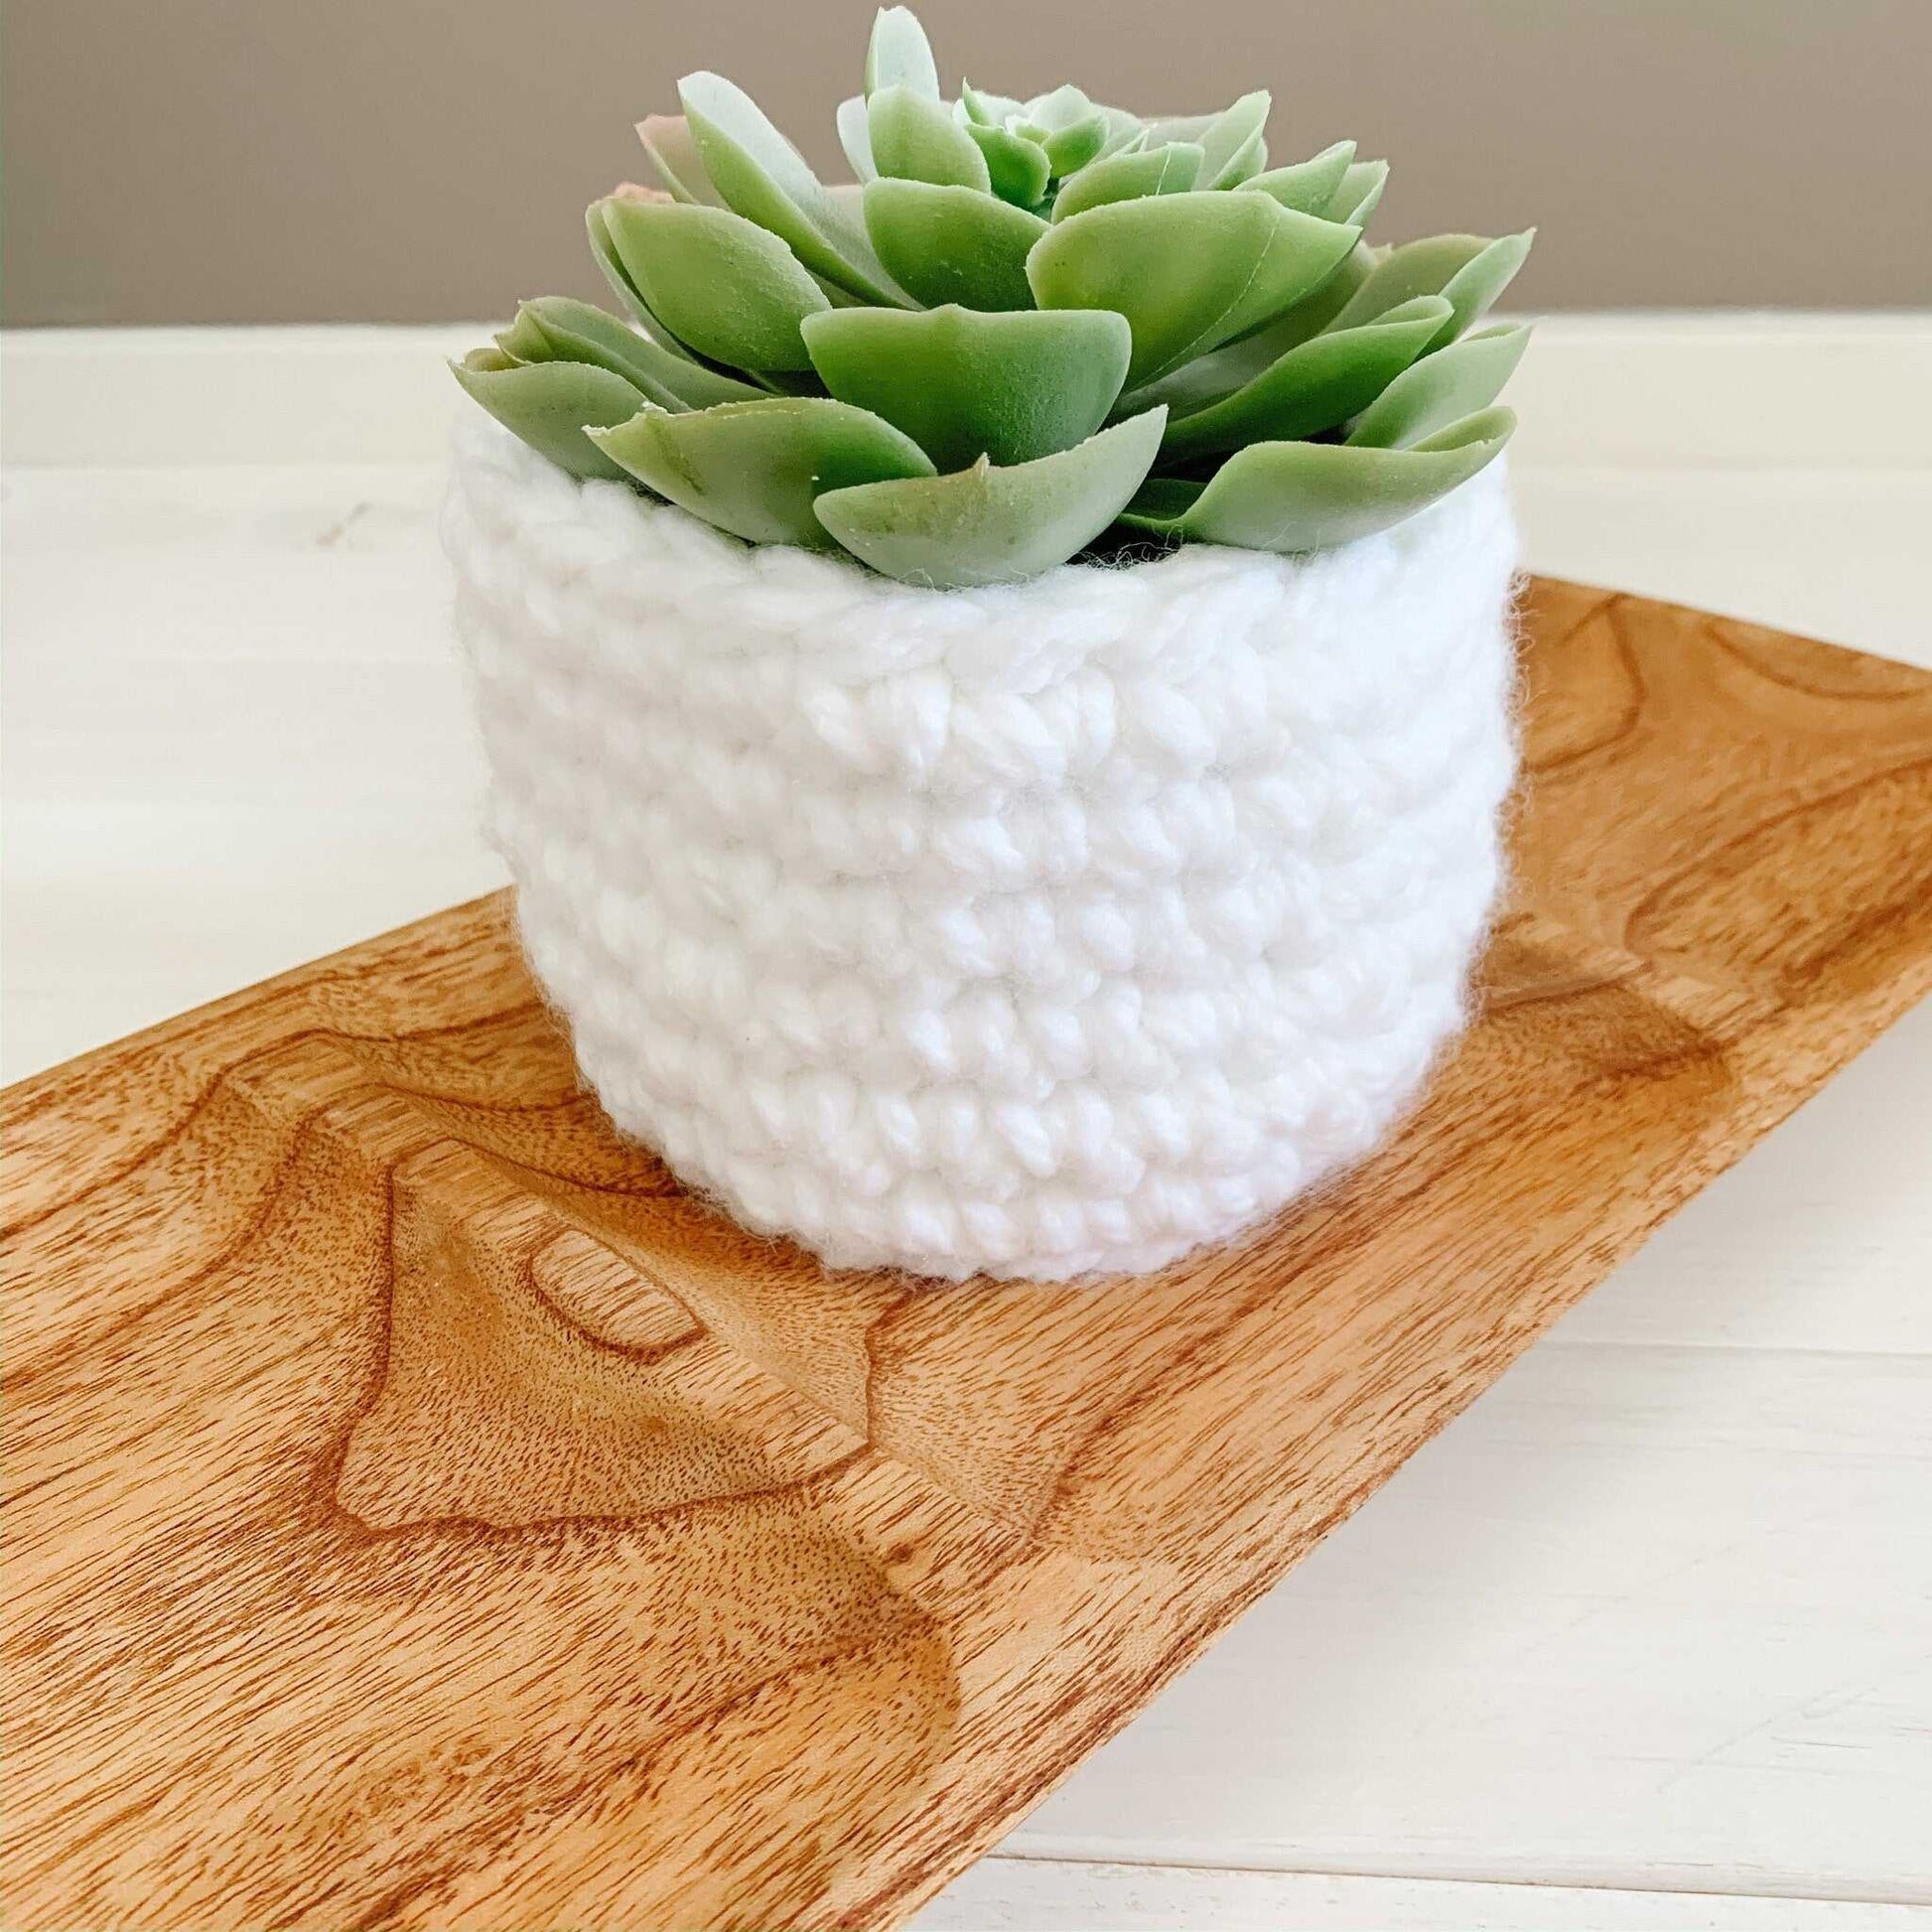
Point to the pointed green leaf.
(1312, 387)
(730, 289)
(1217, 377)
(1232, 148)
(627, 291)
(916, 139)
(1308, 315)
(1167, 169)
(987, 525)
(1415, 268)
(855, 137)
(1124, 132)
(1069, 149)
(549, 404)
(951, 244)
(1359, 194)
(1179, 127)
(1468, 269)
(674, 155)
(761, 176)
(1059, 109)
(753, 467)
(1474, 289)
(1441, 388)
(1221, 372)
(1211, 378)
(1291, 497)
(1069, 127)
(986, 110)
(1248, 162)
(558, 329)
(1304, 253)
(1188, 271)
(899, 54)
(964, 385)
(1307, 187)
(1019, 167)
(526, 340)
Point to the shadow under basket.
(1029, 931)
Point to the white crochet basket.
(1029, 931)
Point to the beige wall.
(392, 160)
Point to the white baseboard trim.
(1688, 389)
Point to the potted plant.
(997, 681)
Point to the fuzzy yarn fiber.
(1032, 930)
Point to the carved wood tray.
(422, 1514)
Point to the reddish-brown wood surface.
(422, 1514)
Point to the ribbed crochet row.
(1030, 930)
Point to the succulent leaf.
(1059, 109)
(1216, 377)
(1179, 127)
(1444, 388)
(1167, 169)
(963, 385)
(986, 110)
(918, 139)
(1069, 126)
(549, 404)
(1069, 149)
(1304, 253)
(673, 154)
(1314, 385)
(899, 54)
(1292, 496)
(951, 244)
(1232, 148)
(1124, 132)
(1308, 316)
(1359, 194)
(556, 329)
(1019, 167)
(753, 467)
(855, 137)
(1474, 289)
(730, 290)
(1469, 270)
(763, 178)
(596, 226)
(1307, 187)
(1188, 271)
(988, 525)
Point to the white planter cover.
(1029, 931)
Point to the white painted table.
(1646, 1638)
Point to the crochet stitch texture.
(1031, 930)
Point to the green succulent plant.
(1026, 330)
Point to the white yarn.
(1027, 930)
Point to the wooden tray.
(422, 1514)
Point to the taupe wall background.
(176, 161)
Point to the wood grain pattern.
(422, 1513)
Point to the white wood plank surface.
(1014, 1895)
(1643, 1614)
(1641, 1640)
